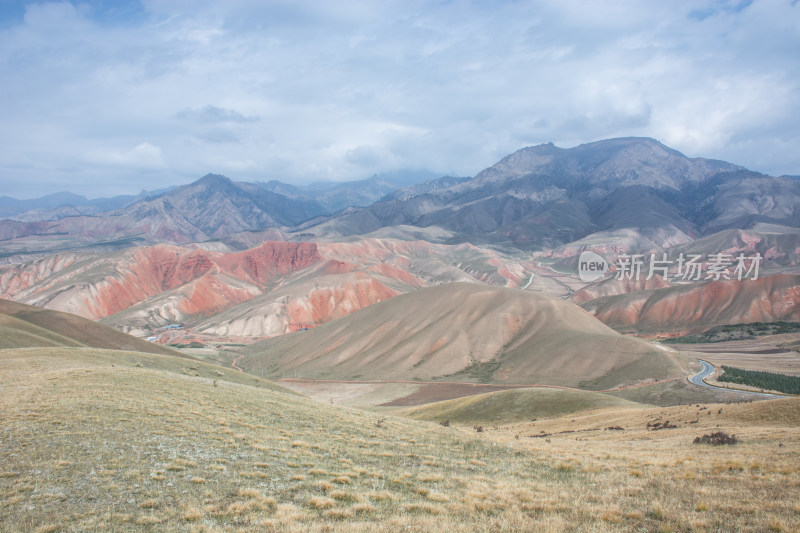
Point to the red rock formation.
(115, 282)
(209, 295)
(324, 304)
(699, 306)
(148, 287)
(264, 263)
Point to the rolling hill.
(102, 440)
(245, 267)
(466, 332)
(26, 326)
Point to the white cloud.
(306, 90)
(142, 156)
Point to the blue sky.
(107, 97)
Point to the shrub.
(717, 438)
(321, 503)
(655, 426)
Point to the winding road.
(708, 369)
(529, 282)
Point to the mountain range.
(252, 260)
(539, 197)
(545, 196)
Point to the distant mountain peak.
(213, 179)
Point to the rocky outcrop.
(99, 286)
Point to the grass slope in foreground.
(100, 440)
(25, 326)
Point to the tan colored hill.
(466, 332)
(695, 307)
(24, 326)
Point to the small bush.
(149, 504)
(655, 426)
(321, 503)
(363, 508)
(717, 438)
(383, 495)
(193, 514)
(338, 514)
(343, 496)
(323, 486)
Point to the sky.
(112, 97)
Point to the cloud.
(144, 156)
(213, 114)
(304, 90)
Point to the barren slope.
(271, 289)
(698, 306)
(466, 332)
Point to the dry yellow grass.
(90, 441)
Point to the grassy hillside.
(516, 405)
(24, 326)
(107, 440)
(16, 333)
(466, 332)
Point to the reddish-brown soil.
(699, 306)
(295, 285)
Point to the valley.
(227, 355)
(99, 439)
